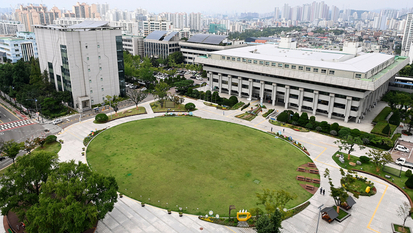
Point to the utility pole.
(319, 212)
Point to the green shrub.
(386, 130)
(335, 126)
(303, 119)
(234, 100)
(318, 128)
(325, 126)
(333, 132)
(408, 173)
(409, 182)
(295, 117)
(245, 106)
(282, 117)
(343, 132)
(189, 106)
(355, 132)
(312, 119)
(237, 105)
(309, 126)
(364, 159)
(101, 118)
(395, 118)
(382, 115)
(51, 139)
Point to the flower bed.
(246, 116)
(89, 137)
(268, 112)
(295, 143)
(357, 185)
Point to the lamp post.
(319, 212)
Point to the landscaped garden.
(197, 164)
(169, 106)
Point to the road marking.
(377, 207)
(230, 229)
(260, 123)
(10, 111)
(329, 144)
(75, 135)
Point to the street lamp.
(319, 212)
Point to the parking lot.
(399, 154)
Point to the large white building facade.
(407, 37)
(335, 84)
(85, 59)
(22, 46)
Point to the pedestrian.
(271, 129)
(283, 130)
(321, 190)
(223, 113)
(324, 192)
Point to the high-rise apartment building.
(286, 12)
(85, 59)
(11, 27)
(36, 15)
(22, 46)
(276, 13)
(407, 36)
(195, 21)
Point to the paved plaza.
(370, 214)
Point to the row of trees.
(265, 32)
(25, 82)
(334, 129)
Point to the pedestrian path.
(370, 214)
(15, 124)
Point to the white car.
(199, 78)
(57, 121)
(402, 148)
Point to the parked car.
(199, 78)
(402, 162)
(57, 121)
(402, 148)
(2, 158)
(193, 77)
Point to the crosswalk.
(15, 124)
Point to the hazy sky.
(225, 6)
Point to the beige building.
(36, 15)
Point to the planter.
(394, 230)
(180, 214)
(169, 211)
(143, 204)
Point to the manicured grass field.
(197, 164)
(52, 147)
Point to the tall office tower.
(286, 12)
(334, 13)
(195, 21)
(85, 59)
(276, 13)
(306, 12)
(407, 36)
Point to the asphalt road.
(6, 115)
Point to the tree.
(20, 185)
(11, 148)
(409, 182)
(379, 158)
(72, 199)
(112, 101)
(282, 117)
(29, 145)
(395, 118)
(40, 141)
(189, 106)
(404, 212)
(295, 117)
(303, 119)
(161, 92)
(339, 194)
(234, 100)
(177, 100)
(101, 118)
(335, 126)
(273, 200)
(271, 224)
(386, 130)
(137, 96)
(348, 143)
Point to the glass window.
(91, 91)
(261, 63)
(331, 72)
(238, 59)
(228, 58)
(223, 57)
(88, 70)
(293, 67)
(98, 46)
(90, 80)
(323, 71)
(358, 75)
(244, 60)
(273, 64)
(99, 57)
(100, 68)
(315, 70)
(249, 61)
(233, 58)
(287, 66)
(87, 58)
(255, 61)
(102, 88)
(280, 65)
(267, 63)
(101, 79)
(300, 68)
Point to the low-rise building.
(22, 46)
(335, 84)
(133, 44)
(160, 44)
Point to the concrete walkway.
(370, 214)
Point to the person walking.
(321, 190)
(324, 192)
(271, 129)
(283, 130)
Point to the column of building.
(239, 87)
(274, 93)
(286, 96)
(219, 82)
(211, 83)
(300, 99)
(348, 108)
(262, 87)
(331, 105)
(250, 89)
(229, 84)
(315, 102)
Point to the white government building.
(342, 85)
(85, 59)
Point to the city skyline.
(230, 7)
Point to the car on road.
(403, 162)
(57, 121)
(402, 148)
(2, 158)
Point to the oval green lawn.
(197, 164)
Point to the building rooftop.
(90, 24)
(207, 39)
(363, 62)
(161, 35)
